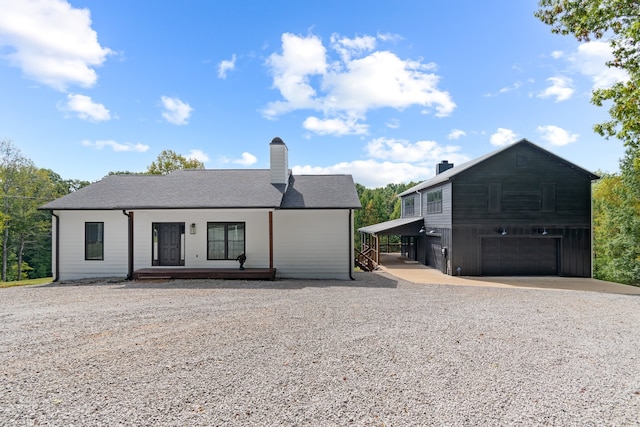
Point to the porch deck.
(204, 273)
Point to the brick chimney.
(279, 158)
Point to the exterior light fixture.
(423, 229)
(192, 228)
(544, 232)
(503, 231)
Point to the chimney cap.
(277, 140)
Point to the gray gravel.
(374, 352)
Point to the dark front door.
(169, 236)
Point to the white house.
(199, 221)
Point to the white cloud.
(51, 42)
(392, 161)
(372, 173)
(506, 89)
(561, 89)
(557, 54)
(175, 110)
(556, 135)
(348, 47)
(456, 134)
(198, 155)
(84, 107)
(503, 137)
(359, 80)
(425, 152)
(393, 124)
(116, 146)
(335, 126)
(301, 58)
(226, 66)
(247, 159)
(590, 59)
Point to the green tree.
(169, 160)
(618, 21)
(12, 164)
(617, 197)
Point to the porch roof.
(395, 226)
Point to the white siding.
(306, 243)
(195, 245)
(72, 239)
(312, 244)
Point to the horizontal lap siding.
(72, 244)
(195, 245)
(438, 220)
(312, 244)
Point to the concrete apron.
(412, 271)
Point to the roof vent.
(443, 166)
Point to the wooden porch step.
(204, 273)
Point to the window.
(409, 206)
(434, 202)
(94, 241)
(225, 240)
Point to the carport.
(368, 258)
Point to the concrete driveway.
(413, 271)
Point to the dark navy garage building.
(518, 211)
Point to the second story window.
(434, 202)
(409, 206)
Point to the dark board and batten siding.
(526, 192)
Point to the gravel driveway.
(374, 352)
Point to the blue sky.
(382, 90)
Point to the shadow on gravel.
(362, 280)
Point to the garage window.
(434, 202)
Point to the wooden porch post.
(270, 240)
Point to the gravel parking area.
(374, 352)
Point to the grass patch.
(40, 281)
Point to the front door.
(169, 239)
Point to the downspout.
(350, 245)
(129, 243)
(57, 250)
(420, 202)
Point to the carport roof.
(389, 226)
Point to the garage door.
(519, 256)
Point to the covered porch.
(368, 258)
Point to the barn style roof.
(212, 189)
(450, 173)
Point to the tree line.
(26, 236)
(616, 197)
(26, 231)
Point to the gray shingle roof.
(321, 192)
(199, 189)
